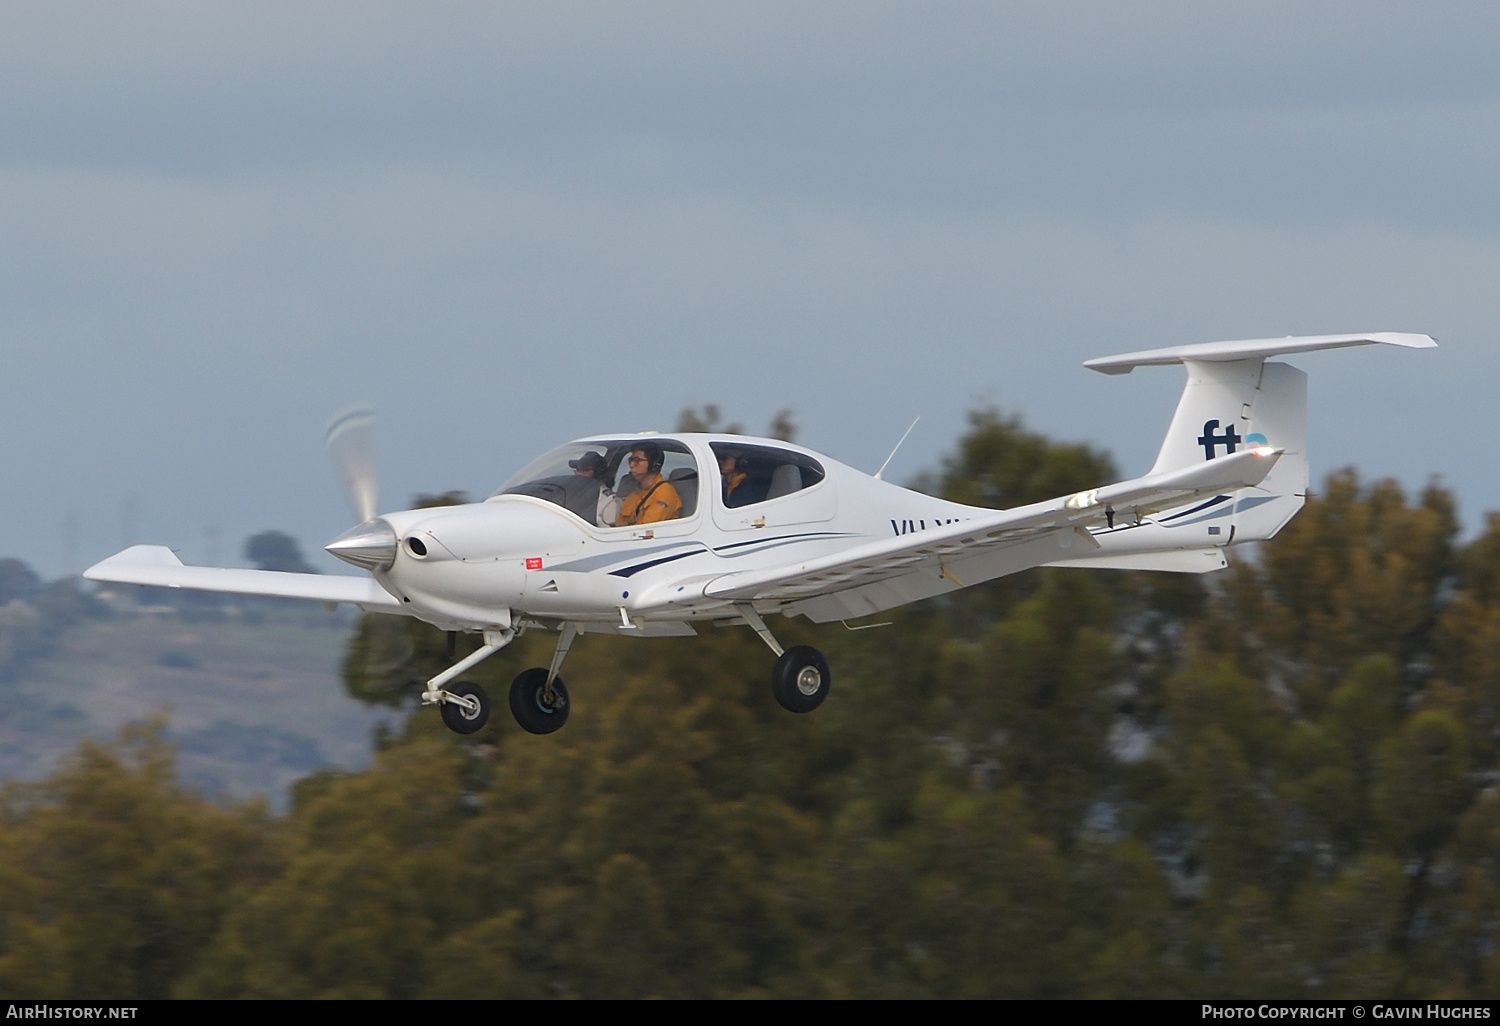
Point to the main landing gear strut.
(538, 697)
(800, 679)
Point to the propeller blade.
(351, 444)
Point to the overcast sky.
(507, 225)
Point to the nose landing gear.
(465, 707)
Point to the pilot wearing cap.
(591, 465)
(654, 498)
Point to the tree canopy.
(276, 550)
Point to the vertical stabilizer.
(1213, 415)
(1233, 405)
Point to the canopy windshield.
(592, 478)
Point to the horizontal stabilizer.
(158, 566)
(1252, 349)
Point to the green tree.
(17, 581)
(999, 464)
(276, 550)
(113, 878)
(706, 418)
(1359, 571)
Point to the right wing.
(158, 566)
(891, 572)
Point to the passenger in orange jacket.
(654, 498)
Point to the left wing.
(158, 566)
(879, 575)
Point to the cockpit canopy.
(592, 479)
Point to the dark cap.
(588, 461)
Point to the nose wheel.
(465, 707)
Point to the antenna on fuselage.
(893, 451)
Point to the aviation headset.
(741, 463)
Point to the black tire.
(529, 706)
(461, 720)
(801, 679)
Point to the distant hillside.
(252, 701)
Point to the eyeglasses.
(637, 459)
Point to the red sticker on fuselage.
(534, 563)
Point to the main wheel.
(529, 705)
(461, 719)
(800, 680)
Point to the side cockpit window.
(749, 474)
(614, 483)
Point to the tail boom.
(1233, 400)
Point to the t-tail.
(1234, 400)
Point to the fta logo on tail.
(1211, 439)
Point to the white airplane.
(731, 529)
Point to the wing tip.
(136, 555)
